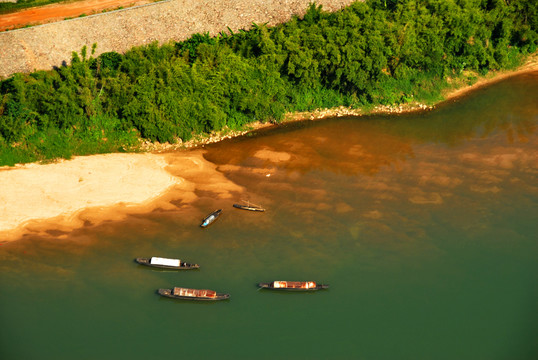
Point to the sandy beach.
(60, 190)
(86, 190)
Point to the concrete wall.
(45, 46)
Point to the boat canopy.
(164, 261)
(194, 292)
(294, 284)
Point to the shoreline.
(460, 90)
(55, 199)
(37, 196)
(69, 194)
(530, 65)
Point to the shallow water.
(424, 225)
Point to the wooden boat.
(193, 294)
(248, 206)
(165, 263)
(210, 218)
(293, 285)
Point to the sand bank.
(69, 194)
(60, 190)
(88, 190)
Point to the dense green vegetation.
(378, 52)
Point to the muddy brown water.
(424, 225)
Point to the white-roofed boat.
(293, 285)
(193, 294)
(166, 263)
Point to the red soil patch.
(60, 11)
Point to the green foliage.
(109, 60)
(189, 47)
(377, 52)
(101, 135)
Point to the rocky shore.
(341, 111)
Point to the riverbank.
(70, 194)
(469, 82)
(461, 89)
(56, 198)
(60, 191)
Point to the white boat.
(166, 263)
(210, 218)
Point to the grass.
(100, 138)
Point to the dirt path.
(60, 11)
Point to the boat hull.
(270, 287)
(249, 208)
(208, 220)
(168, 293)
(183, 266)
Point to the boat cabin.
(165, 261)
(194, 292)
(294, 284)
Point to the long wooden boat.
(293, 285)
(165, 263)
(193, 294)
(248, 206)
(210, 218)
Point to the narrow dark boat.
(248, 206)
(193, 294)
(165, 263)
(293, 285)
(210, 218)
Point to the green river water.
(424, 225)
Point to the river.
(424, 226)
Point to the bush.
(374, 52)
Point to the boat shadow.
(156, 269)
(167, 270)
